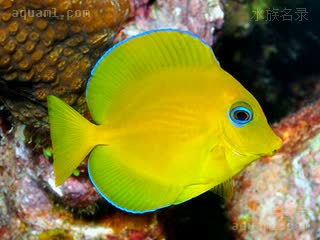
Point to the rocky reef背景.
(278, 196)
(49, 47)
(31, 207)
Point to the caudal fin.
(72, 138)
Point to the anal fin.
(125, 187)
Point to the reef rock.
(32, 208)
(202, 17)
(279, 197)
(49, 47)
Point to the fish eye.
(240, 114)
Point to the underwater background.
(271, 47)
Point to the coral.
(49, 47)
(278, 197)
(200, 17)
(30, 207)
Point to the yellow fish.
(170, 123)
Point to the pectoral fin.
(225, 189)
(192, 191)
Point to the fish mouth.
(251, 155)
(234, 149)
(255, 155)
(241, 154)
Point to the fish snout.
(277, 144)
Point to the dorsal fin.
(148, 53)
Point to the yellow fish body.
(171, 123)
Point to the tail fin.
(72, 138)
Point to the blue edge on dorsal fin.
(142, 34)
(88, 82)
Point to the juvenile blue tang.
(170, 123)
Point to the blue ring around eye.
(239, 122)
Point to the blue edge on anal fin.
(97, 64)
(114, 204)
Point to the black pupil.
(241, 115)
